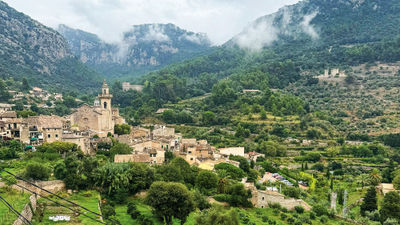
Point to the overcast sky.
(219, 19)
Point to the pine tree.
(370, 201)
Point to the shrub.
(283, 216)
(132, 210)
(323, 219)
(275, 205)
(221, 197)
(37, 171)
(108, 211)
(312, 215)
(320, 210)
(299, 209)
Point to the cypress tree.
(370, 201)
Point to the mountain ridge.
(144, 47)
(39, 53)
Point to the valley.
(294, 120)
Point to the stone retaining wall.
(28, 211)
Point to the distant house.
(126, 86)
(8, 115)
(161, 110)
(152, 156)
(6, 107)
(251, 91)
(237, 151)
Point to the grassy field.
(88, 199)
(17, 200)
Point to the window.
(48, 135)
(263, 198)
(104, 91)
(56, 135)
(105, 105)
(191, 159)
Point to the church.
(97, 119)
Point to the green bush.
(299, 209)
(132, 210)
(37, 171)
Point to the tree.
(390, 207)
(170, 200)
(121, 129)
(239, 195)
(217, 215)
(370, 201)
(25, 85)
(120, 148)
(263, 115)
(242, 132)
(208, 118)
(37, 171)
(207, 182)
(396, 182)
(374, 177)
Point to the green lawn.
(17, 200)
(88, 199)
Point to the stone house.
(126, 86)
(252, 156)
(226, 152)
(163, 132)
(261, 199)
(140, 132)
(151, 156)
(6, 107)
(81, 141)
(17, 128)
(8, 115)
(45, 128)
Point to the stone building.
(126, 86)
(237, 151)
(99, 118)
(45, 128)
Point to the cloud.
(220, 19)
(257, 36)
(155, 33)
(307, 28)
(195, 38)
(266, 30)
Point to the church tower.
(105, 97)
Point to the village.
(88, 126)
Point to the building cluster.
(36, 93)
(151, 146)
(80, 127)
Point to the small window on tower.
(105, 105)
(105, 92)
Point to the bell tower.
(105, 97)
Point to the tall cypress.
(369, 202)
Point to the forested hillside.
(306, 37)
(40, 54)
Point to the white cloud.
(258, 35)
(307, 27)
(220, 19)
(265, 31)
(155, 33)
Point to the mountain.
(143, 48)
(39, 53)
(298, 40)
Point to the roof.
(46, 121)
(8, 114)
(143, 158)
(161, 110)
(4, 105)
